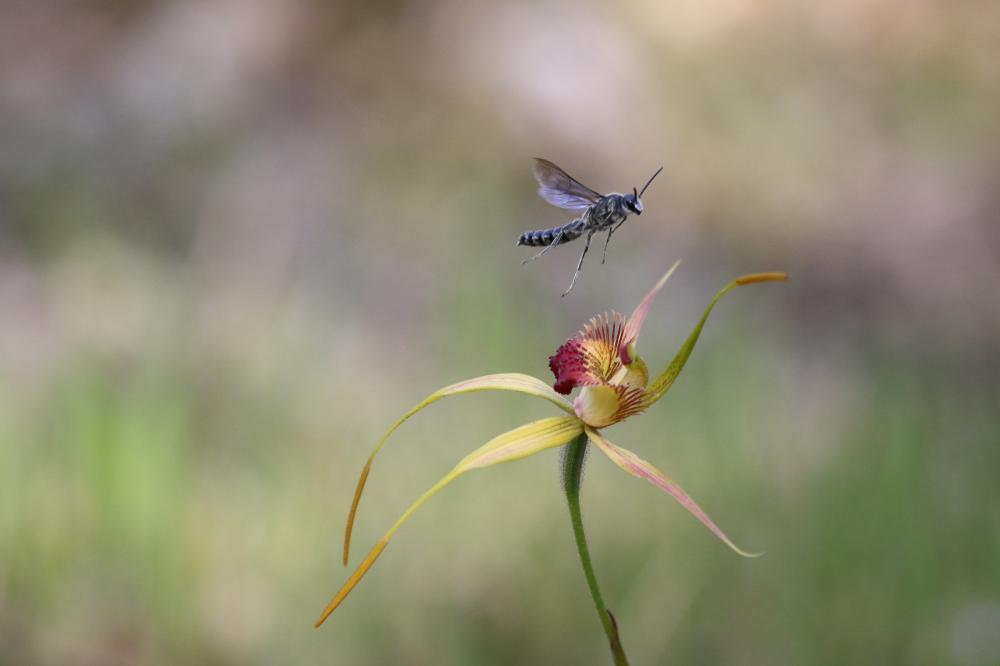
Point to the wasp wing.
(560, 189)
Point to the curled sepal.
(663, 383)
(499, 382)
(513, 445)
(642, 469)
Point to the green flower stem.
(572, 479)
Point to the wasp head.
(633, 202)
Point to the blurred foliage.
(238, 239)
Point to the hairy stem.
(572, 479)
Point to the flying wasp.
(597, 212)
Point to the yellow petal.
(522, 442)
(663, 383)
(642, 469)
(513, 445)
(500, 382)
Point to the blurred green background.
(238, 238)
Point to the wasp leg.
(579, 264)
(555, 241)
(608, 240)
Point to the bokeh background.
(238, 238)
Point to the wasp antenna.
(649, 181)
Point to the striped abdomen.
(543, 237)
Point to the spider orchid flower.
(614, 384)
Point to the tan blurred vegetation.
(239, 238)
